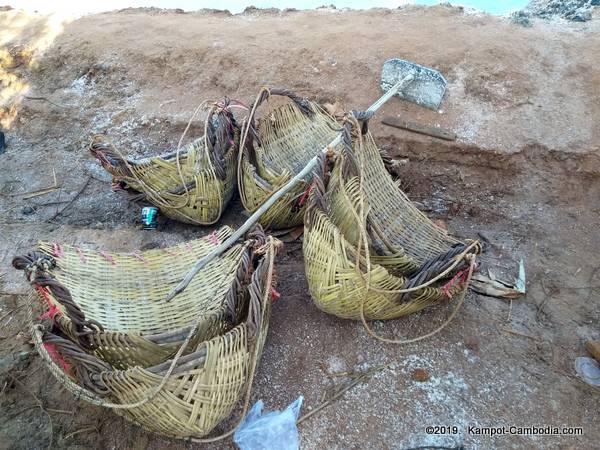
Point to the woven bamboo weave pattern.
(192, 185)
(338, 289)
(277, 148)
(204, 385)
(404, 245)
(125, 294)
(401, 236)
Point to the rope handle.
(225, 127)
(301, 102)
(264, 94)
(36, 266)
(269, 249)
(361, 216)
(472, 263)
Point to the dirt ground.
(524, 172)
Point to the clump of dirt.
(523, 174)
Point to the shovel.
(427, 90)
(410, 81)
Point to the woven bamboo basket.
(357, 206)
(274, 149)
(186, 396)
(192, 184)
(113, 304)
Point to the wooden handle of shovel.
(276, 196)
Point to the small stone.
(17, 360)
(420, 375)
(580, 16)
(594, 348)
(574, 10)
(150, 245)
(28, 210)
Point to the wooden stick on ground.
(39, 192)
(43, 191)
(75, 197)
(440, 133)
(276, 196)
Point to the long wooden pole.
(276, 196)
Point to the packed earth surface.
(523, 174)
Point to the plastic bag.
(275, 430)
(588, 369)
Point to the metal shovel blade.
(427, 88)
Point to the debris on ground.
(27, 210)
(437, 132)
(589, 370)
(494, 287)
(274, 430)
(574, 10)
(593, 347)
(17, 360)
(420, 375)
(521, 18)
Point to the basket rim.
(245, 160)
(217, 308)
(253, 333)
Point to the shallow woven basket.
(192, 185)
(406, 249)
(274, 149)
(114, 304)
(183, 397)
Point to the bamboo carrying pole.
(277, 195)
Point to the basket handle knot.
(320, 180)
(109, 156)
(257, 236)
(34, 262)
(351, 122)
(37, 266)
(260, 242)
(221, 129)
(438, 264)
(362, 116)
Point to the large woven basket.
(276, 147)
(192, 184)
(113, 304)
(405, 249)
(183, 397)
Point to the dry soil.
(524, 172)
